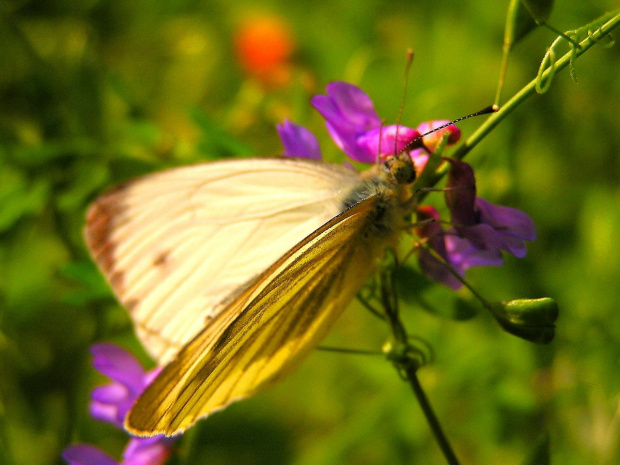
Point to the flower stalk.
(407, 359)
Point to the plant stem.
(407, 365)
(342, 350)
(436, 173)
(431, 418)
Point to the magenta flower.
(357, 130)
(298, 141)
(355, 126)
(111, 403)
(432, 140)
(481, 230)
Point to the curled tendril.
(548, 62)
(604, 40)
(424, 348)
(549, 59)
(405, 357)
(571, 64)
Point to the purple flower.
(487, 227)
(431, 141)
(355, 127)
(480, 230)
(139, 451)
(111, 403)
(298, 141)
(357, 130)
(431, 232)
(85, 454)
(148, 451)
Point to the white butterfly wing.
(177, 245)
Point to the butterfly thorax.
(389, 184)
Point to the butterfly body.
(234, 271)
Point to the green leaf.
(519, 23)
(216, 140)
(19, 198)
(540, 10)
(29, 268)
(91, 285)
(87, 177)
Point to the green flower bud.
(530, 319)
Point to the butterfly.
(234, 271)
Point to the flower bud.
(431, 141)
(530, 319)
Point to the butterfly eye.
(401, 168)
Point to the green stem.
(431, 418)
(530, 88)
(407, 366)
(342, 350)
(431, 176)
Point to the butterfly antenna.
(410, 56)
(415, 143)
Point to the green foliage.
(540, 10)
(519, 23)
(94, 93)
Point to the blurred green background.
(93, 92)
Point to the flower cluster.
(355, 127)
(479, 231)
(110, 403)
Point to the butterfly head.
(401, 168)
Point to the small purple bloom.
(85, 454)
(463, 255)
(431, 232)
(298, 141)
(139, 451)
(480, 230)
(514, 226)
(355, 126)
(384, 141)
(148, 451)
(487, 227)
(111, 403)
